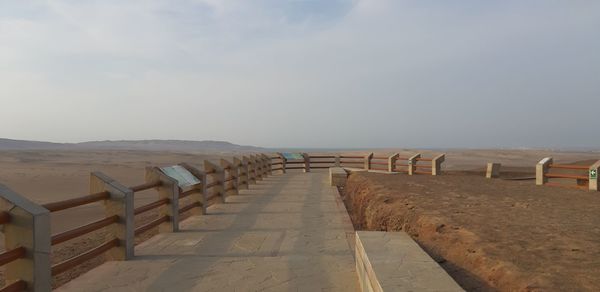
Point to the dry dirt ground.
(488, 234)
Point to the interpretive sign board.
(292, 156)
(183, 176)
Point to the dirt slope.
(489, 234)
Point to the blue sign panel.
(183, 176)
(292, 156)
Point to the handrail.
(355, 157)
(145, 186)
(150, 206)
(79, 231)
(557, 175)
(16, 286)
(189, 193)
(212, 184)
(568, 166)
(322, 156)
(212, 196)
(4, 217)
(151, 225)
(189, 207)
(88, 199)
(11, 255)
(76, 260)
(75, 202)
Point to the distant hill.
(150, 145)
(8, 144)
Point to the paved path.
(287, 233)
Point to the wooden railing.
(26, 225)
(585, 176)
(414, 164)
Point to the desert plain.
(538, 232)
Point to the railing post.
(283, 160)
(29, 227)
(368, 159)
(436, 164)
(306, 162)
(593, 176)
(250, 169)
(412, 163)
(392, 162)
(493, 170)
(338, 161)
(541, 169)
(218, 177)
(242, 173)
(119, 203)
(257, 167)
(199, 196)
(243, 163)
(230, 186)
(261, 165)
(169, 189)
(269, 165)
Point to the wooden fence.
(585, 176)
(413, 164)
(26, 225)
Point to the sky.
(303, 73)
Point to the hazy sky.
(284, 73)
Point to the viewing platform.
(251, 225)
(285, 233)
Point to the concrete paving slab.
(287, 233)
(393, 261)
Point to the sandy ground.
(488, 234)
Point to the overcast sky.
(298, 73)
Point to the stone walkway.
(287, 233)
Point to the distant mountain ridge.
(150, 145)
